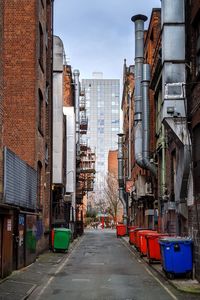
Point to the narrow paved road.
(103, 268)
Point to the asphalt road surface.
(102, 267)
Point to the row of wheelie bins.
(60, 239)
(175, 253)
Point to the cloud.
(98, 35)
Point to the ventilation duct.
(145, 120)
(139, 60)
(173, 60)
(173, 113)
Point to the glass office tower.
(103, 112)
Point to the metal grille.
(20, 181)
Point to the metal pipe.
(139, 59)
(145, 120)
(76, 74)
(129, 136)
(123, 201)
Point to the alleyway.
(102, 267)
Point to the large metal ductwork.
(173, 60)
(121, 174)
(173, 113)
(139, 60)
(145, 120)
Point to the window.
(41, 46)
(39, 184)
(40, 111)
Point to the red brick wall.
(49, 119)
(1, 98)
(113, 162)
(20, 94)
(23, 78)
(150, 45)
(68, 87)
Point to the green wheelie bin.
(61, 239)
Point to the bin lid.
(156, 234)
(175, 239)
(62, 229)
(144, 232)
(137, 229)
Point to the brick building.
(141, 176)
(171, 47)
(193, 102)
(26, 94)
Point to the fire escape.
(85, 166)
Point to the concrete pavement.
(182, 284)
(98, 266)
(21, 284)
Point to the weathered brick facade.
(142, 199)
(68, 86)
(112, 162)
(193, 100)
(27, 98)
(1, 98)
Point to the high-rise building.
(103, 112)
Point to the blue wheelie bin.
(177, 258)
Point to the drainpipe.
(76, 74)
(139, 60)
(129, 136)
(163, 165)
(145, 122)
(121, 175)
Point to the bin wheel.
(189, 275)
(150, 261)
(54, 250)
(170, 275)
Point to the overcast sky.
(98, 34)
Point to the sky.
(98, 34)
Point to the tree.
(110, 202)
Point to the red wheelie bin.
(131, 234)
(142, 242)
(137, 231)
(153, 246)
(121, 230)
